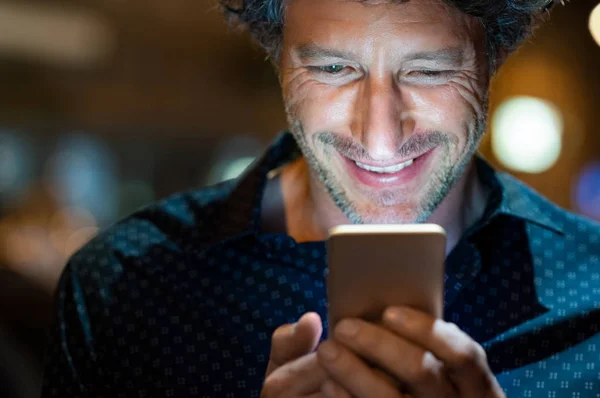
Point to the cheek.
(445, 109)
(320, 107)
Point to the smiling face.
(387, 101)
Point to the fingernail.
(347, 328)
(328, 351)
(394, 314)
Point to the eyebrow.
(450, 55)
(312, 51)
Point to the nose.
(378, 117)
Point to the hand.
(423, 356)
(293, 369)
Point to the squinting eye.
(431, 73)
(332, 69)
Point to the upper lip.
(388, 164)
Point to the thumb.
(295, 340)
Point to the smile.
(411, 171)
(385, 170)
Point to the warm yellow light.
(527, 134)
(595, 24)
(52, 33)
(78, 239)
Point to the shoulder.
(135, 275)
(564, 247)
(524, 201)
(577, 231)
(156, 234)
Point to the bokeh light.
(55, 34)
(595, 23)
(78, 239)
(15, 165)
(232, 157)
(527, 134)
(587, 191)
(82, 174)
(237, 167)
(65, 223)
(28, 249)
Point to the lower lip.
(386, 180)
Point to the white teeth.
(389, 169)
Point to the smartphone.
(371, 267)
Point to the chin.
(399, 214)
(389, 206)
(387, 218)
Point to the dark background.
(125, 102)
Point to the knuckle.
(451, 330)
(426, 371)
(302, 368)
(469, 355)
(391, 386)
(278, 383)
(453, 327)
(281, 333)
(343, 367)
(273, 387)
(421, 375)
(480, 352)
(278, 341)
(467, 352)
(368, 343)
(367, 340)
(487, 384)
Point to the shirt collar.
(515, 199)
(240, 212)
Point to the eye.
(331, 69)
(429, 73)
(428, 76)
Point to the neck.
(309, 212)
(462, 207)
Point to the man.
(387, 102)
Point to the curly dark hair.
(507, 22)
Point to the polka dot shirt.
(181, 298)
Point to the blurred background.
(108, 105)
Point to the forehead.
(381, 20)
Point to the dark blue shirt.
(181, 298)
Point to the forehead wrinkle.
(387, 26)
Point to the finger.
(300, 377)
(353, 374)
(292, 341)
(400, 386)
(465, 361)
(331, 389)
(417, 369)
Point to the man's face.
(387, 101)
